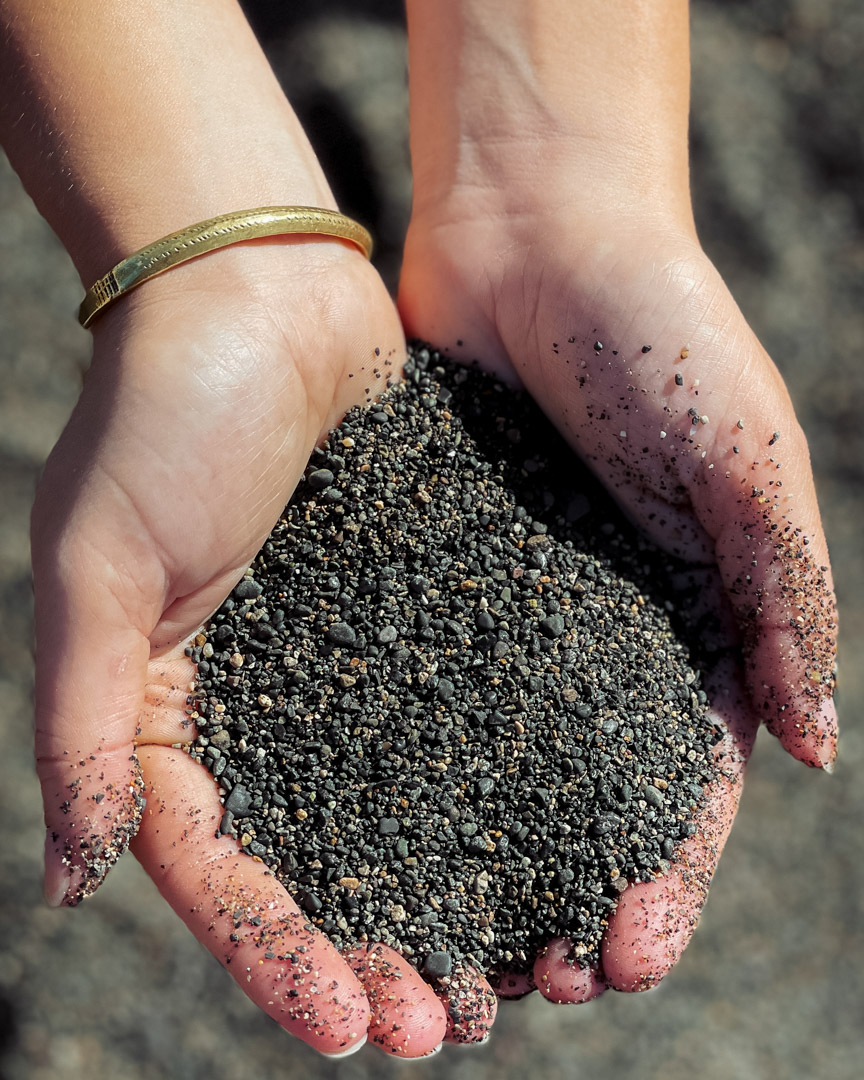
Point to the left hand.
(552, 240)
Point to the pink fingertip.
(406, 1018)
(827, 725)
(811, 740)
(648, 933)
(561, 980)
(471, 1005)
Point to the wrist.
(252, 283)
(127, 122)
(174, 193)
(575, 105)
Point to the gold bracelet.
(215, 233)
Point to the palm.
(673, 455)
(238, 394)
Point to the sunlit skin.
(210, 385)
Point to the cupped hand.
(208, 389)
(623, 331)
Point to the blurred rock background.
(772, 986)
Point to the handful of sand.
(447, 704)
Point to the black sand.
(446, 704)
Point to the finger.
(91, 657)
(774, 564)
(560, 977)
(240, 912)
(759, 504)
(470, 1003)
(732, 449)
(654, 920)
(406, 1018)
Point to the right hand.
(208, 389)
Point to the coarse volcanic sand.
(447, 704)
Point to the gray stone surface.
(771, 988)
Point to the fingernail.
(417, 1057)
(828, 725)
(58, 877)
(476, 1043)
(345, 1053)
(828, 715)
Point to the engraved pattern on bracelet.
(212, 234)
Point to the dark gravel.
(448, 712)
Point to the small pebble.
(239, 801)
(438, 965)
(652, 796)
(341, 634)
(320, 479)
(552, 626)
(247, 589)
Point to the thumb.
(734, 446)
(99, 589)
(734, 485)
(773, 558)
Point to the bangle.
(215, 233)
